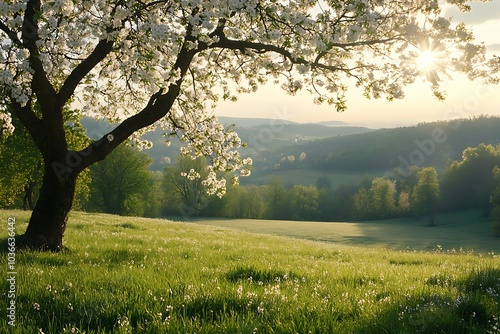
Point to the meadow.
(136, 275)
(457, 231)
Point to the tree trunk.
(48, 221)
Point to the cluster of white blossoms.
(211, 139)
(6, 126)
(234, 46)
(192, 175)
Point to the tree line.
(124, 185)
(471, 183)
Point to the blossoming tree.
(164, 63)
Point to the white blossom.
(274, 35)
(6, 126)
(441, 24)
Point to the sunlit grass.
(134, 275)
(456, 232)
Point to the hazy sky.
(464, 98)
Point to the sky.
(464, 99)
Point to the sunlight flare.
(426, 60)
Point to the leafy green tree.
(20, 168)
(404, 203)
(362, 206)
(327, 208)
(164, 63)
(21, 164)
(426, 194)
(275, 195)
(469, 183)
(303, 202)
(342, 203)
(122, 184)
(184, 185)
(246, 202)
(383, 197)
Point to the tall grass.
(134, 275)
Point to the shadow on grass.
(431, 313)
(128, 226)
(259, 275)
(483, 281)
(472, 311)
(120, 256)
(7, 245)
(211, 309)
(4, 245)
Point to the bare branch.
(262, 48)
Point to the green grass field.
(456, 231)
(135, 275)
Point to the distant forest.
(426, 145)
(429, 168)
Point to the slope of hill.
(260, 134)
(275, 136)
(428, 144)
(249, 122)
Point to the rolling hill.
(260, 134)
(427, 144)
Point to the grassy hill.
(135, 275)
(377, 152)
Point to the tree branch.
(12, 35)
(102, 49)
(368, 42)
(29, 120)
(259, 47)
(52, 139)
(226, 43)
(158, 107)
(40, 84)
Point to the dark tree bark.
(48, 220)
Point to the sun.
(431, 61)
(426, 60)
